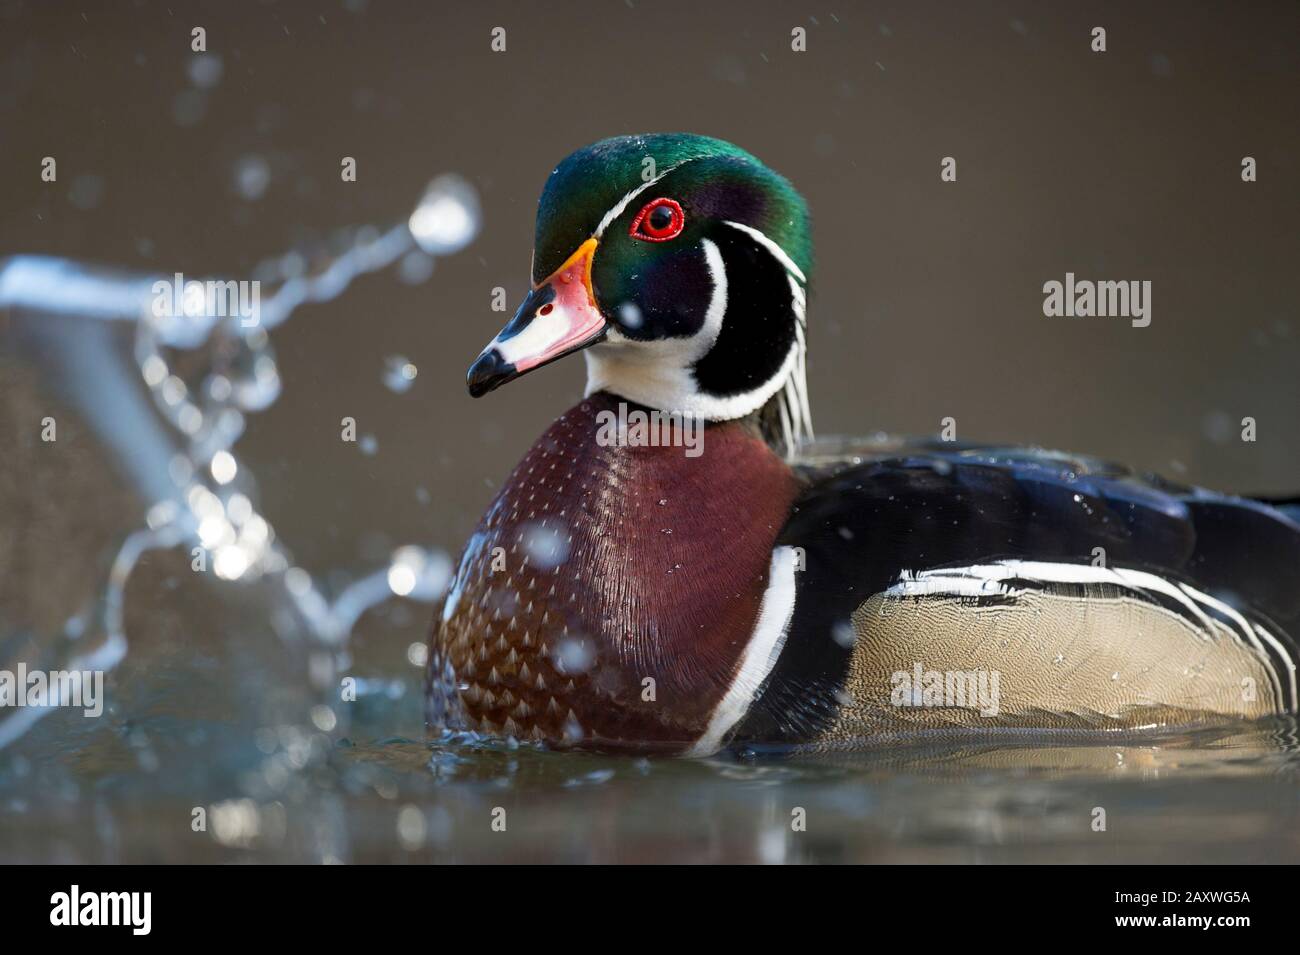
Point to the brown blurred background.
(927, 296)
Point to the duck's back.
(949, 589)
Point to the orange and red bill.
(558, 317)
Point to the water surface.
(126, 793)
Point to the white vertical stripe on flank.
(760, 654)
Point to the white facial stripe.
(797, 387)
(717, 302)
(772, 247)
(617, 211)
(760, 655)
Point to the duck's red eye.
(658, 221)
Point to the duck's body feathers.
(1046, 568)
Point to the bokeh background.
(926, 298)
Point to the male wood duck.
(753, 587)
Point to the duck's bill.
(559, 316)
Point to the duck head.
(678, 264)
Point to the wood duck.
(715, 578)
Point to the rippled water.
(126, 791)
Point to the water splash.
(199, 493)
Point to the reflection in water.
(1222, 795)
(199, 494)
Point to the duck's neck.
(611, 589)
(777, 408)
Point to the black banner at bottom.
(225, 905)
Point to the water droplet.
(87, 191)
(230, 562)
(574, 655)
(447, 218)
(252, 176)
(223, 467)
(843, 634)
(323, 718)
(629, 315)
(401, 579)
(205, 70)
(399, 373)
(415, 268)
(417, 573)
(411, 827)
(188, 107)
(417, 654)
(547, 547)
